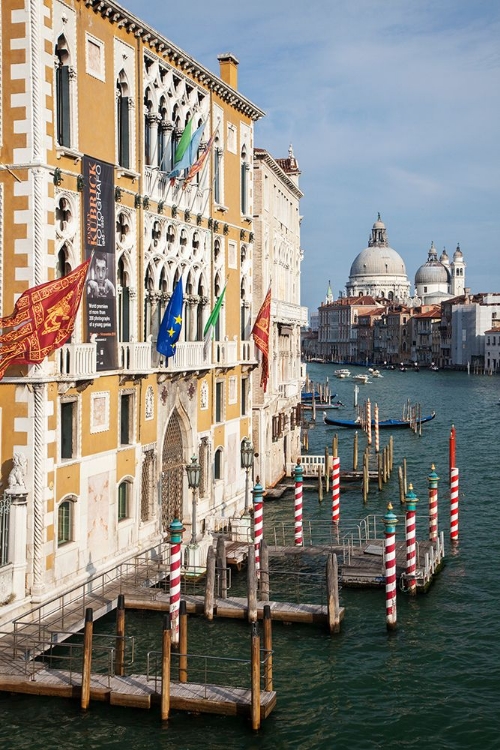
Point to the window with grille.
(148, 484)
(65, 523)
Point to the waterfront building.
(277, 257)
(392, 335)
(424, 325)
(470, 319)
(492, 347)
(101, 430)
(337, 332)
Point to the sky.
(391, 106)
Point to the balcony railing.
(287, 312)
(135, 356)
(288, 390)
(77, 360)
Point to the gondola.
(385, 423)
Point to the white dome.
(378, 261)
(432, 272)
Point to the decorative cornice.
(261, 154)
(175, 55)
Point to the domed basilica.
(379, 271)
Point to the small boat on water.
(360, 378)
(385, 423)
(342, 374)
(377, 374)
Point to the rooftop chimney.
(228, 65)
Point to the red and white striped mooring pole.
(390, 522)
(299, 537)
(454, 505)
(336, 490)
(433, 504)
(258, 521)
(411, 548)
(176, 529)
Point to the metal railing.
(206, 670)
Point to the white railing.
(226, 352)
(247, 351)
(188, 356)
(135, 356)
(77, 360)
(310, 465)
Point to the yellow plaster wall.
(67, 480)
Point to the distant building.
(439, 280)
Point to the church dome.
(433, 271)
(376, 261)
(458, 253)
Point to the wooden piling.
(221, 566)
(268, 648)
(120, 636)
(255, 669)
(380, 473)
(332, 593)
(264, 572)
(335, 446)
(252, 584)
(320, 483)
(401, 485)
(355, 452)
(87, 657)
(391, 453)
(165, 667)
(210, 585)
(405, 476)
(327, 469)
(183, 642)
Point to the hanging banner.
(99, 240)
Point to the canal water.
(434, 682)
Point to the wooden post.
(405, 479)
(380, 471)
(222, 566)
(255, 670)
(87, 657)
(252, 584)
(332, 593)
(401, 485)
(327, 469)
(313, 408)
(320, 483)
(210, 585)
(183, 642)
(391, 453)
(335, 446)
(165, 668)
(386, 464)
(268, 649)
(120, 636)
(355, 452)
(264, 572)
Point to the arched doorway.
(172, 473)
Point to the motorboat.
(360, 378)
(342, 373)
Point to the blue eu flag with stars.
(171, 324)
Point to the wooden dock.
(136, 691)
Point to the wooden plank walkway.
(136, 691)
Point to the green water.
(433, 683)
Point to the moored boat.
(342, 373)
(360, 378)
(385, 423)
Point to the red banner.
(260, 333)
(44, 318)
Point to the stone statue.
(17, 474)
